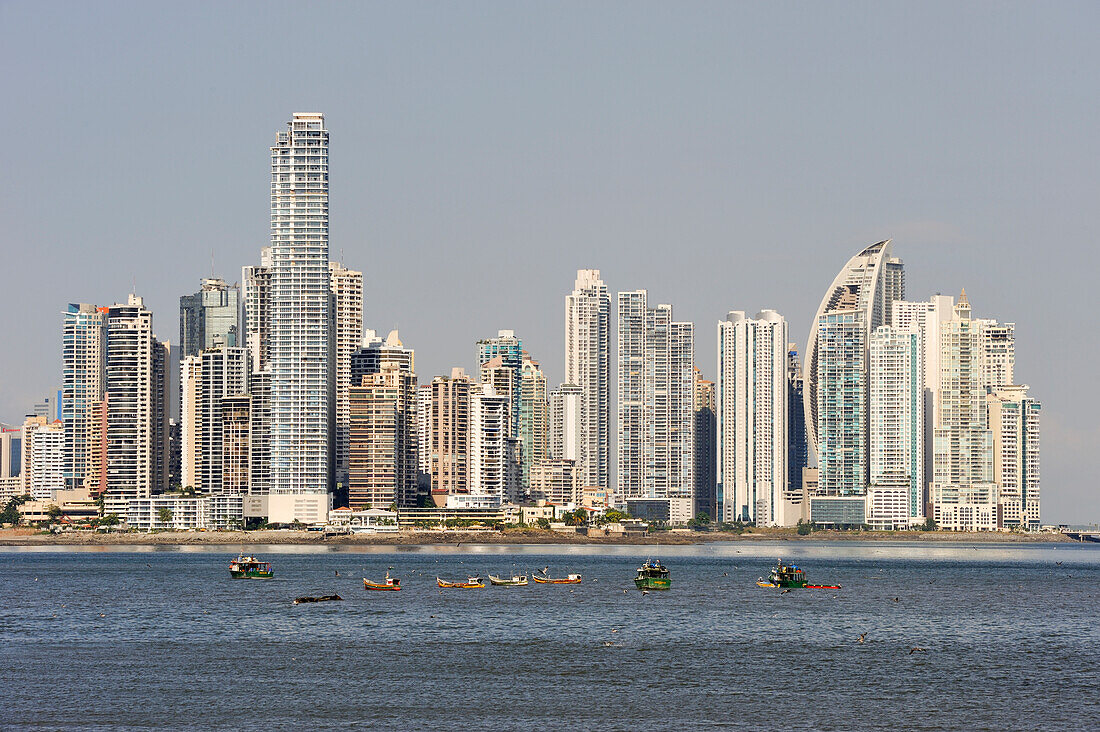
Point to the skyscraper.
(259, 433)
(300, 347)
(964, 495)
(587, 365)
(706, 436)
(236, 444)
(565, 422)
(383, 440)
(1014, 421)
(210, 317)
(492, 451)
(798, 451)
(858, 301)
(374, 353)
(450, 433)
(47, 462)
(137, 414)
(509, 350)
(256, 306)
(925, 317)
(346, 331)
(534, 418)
(207, 379)
(84, 357)
(896, 420)
(752, 419)
(656, 394)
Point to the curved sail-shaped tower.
(836, 391)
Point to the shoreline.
(23, 537)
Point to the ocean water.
(162, 638)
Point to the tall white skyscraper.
(656, 390)
(752, 420)
(588, 365)
(300, 348)
(491, 448)
(347, 331)
(896, 428)
(925, 317)
(964, 495)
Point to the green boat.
(247, 567)
(653, 576)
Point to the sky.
(724, 156)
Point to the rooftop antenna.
(211, 264)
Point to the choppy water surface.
(164, 638)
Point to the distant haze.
(722, 155)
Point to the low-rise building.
(181, 513)
(889, 507)
(367, 521)
(965, 508)
(670, 511)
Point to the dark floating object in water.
(321, 598)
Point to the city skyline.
(994, 253)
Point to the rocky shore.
(27, 537)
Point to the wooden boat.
(570, 579)
(390, 584)
(516, 580)
(321, 598)
(248, 567)
(470, 583)
(791, 577)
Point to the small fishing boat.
(320, 598)
(516, 580)
(546, 579)
(390, 584)
(248, 567)
(653, 576)
(471, 583)
(791, 577)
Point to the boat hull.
(797, 586)
(251, 574)
(565, 581)
(459, 585)
(653, 583)
(501, 582)
(380, 587)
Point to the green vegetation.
(611, 516)
(10, 515)
(164, 515)
(701, 520)
(929, 524)
(734, 527)
(804, 527)
(54, 512)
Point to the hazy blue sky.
(722, 155)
